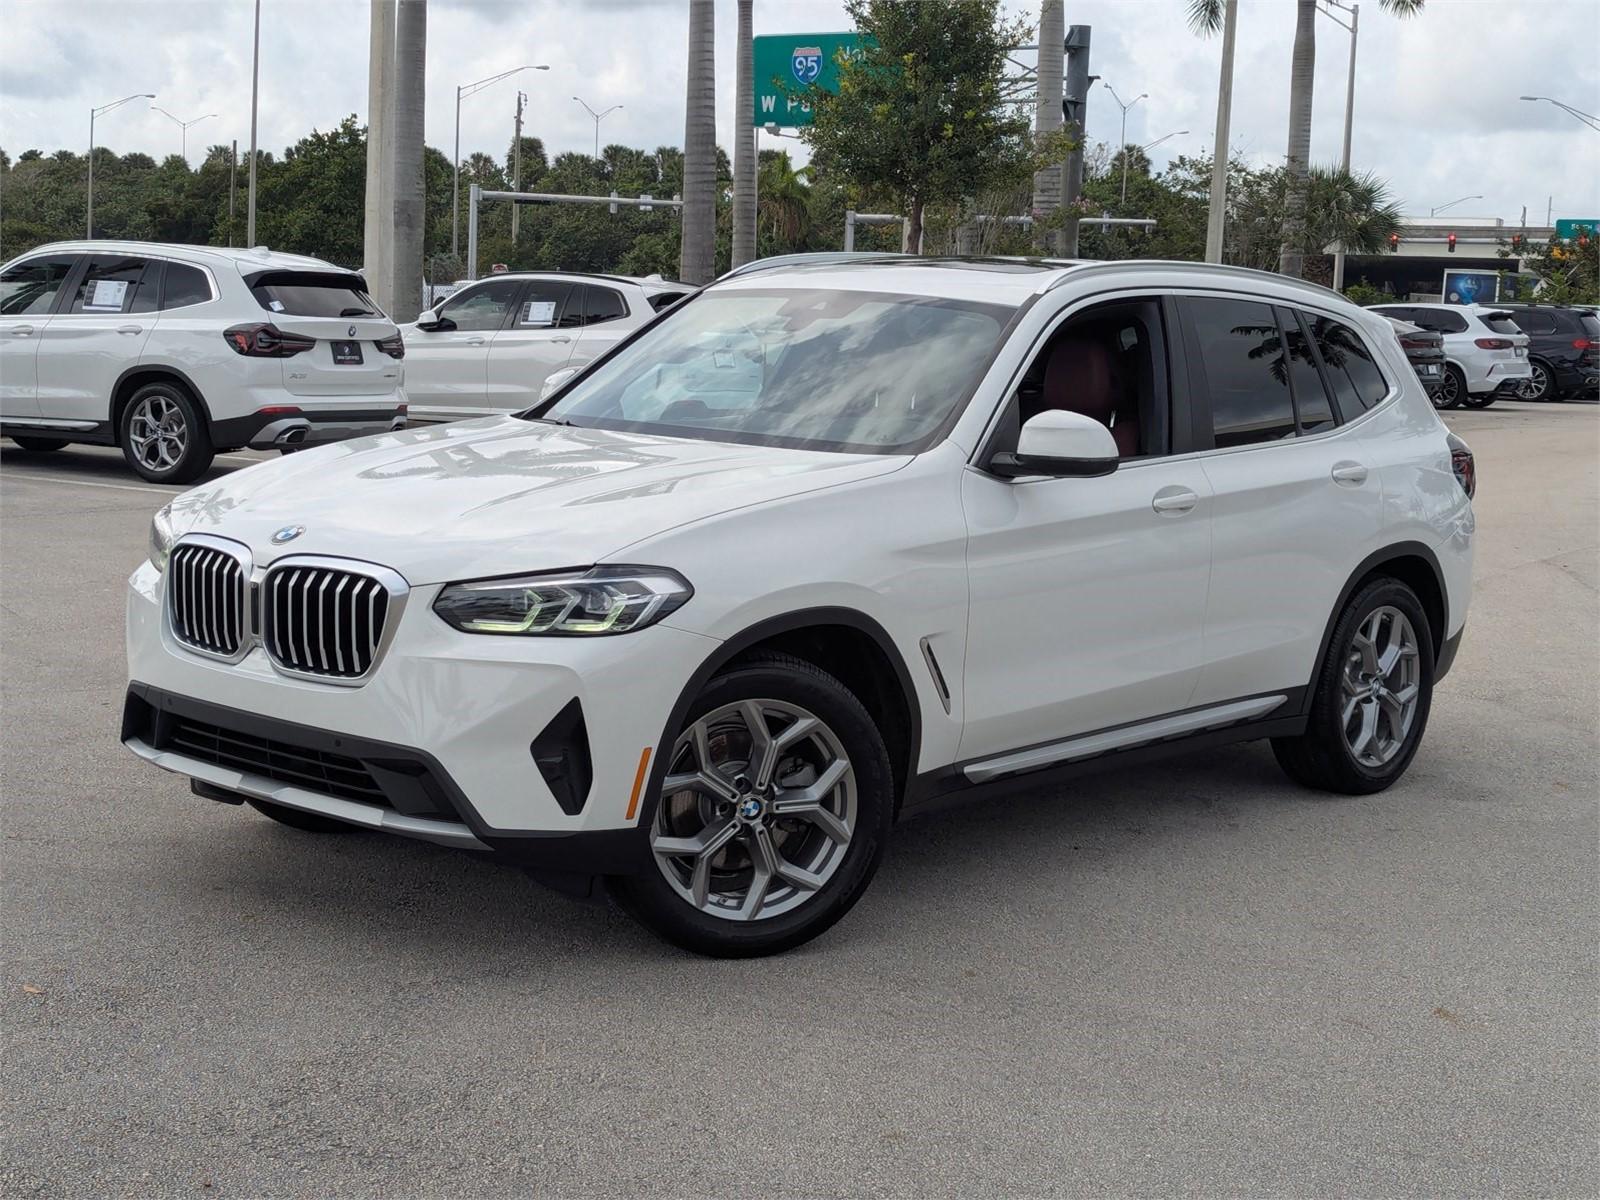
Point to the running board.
(1090, 744)
(49, 423)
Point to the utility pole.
(516, 163)
(1349, 117)
(744, 143)
(462, 92)
(1047, 118)
(1074, 104)
(377, 243)
(1217, 216)
(255, 96)
(410, 60)
(233, 185)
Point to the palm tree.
(411, 59)
(745, 170)
(785, 205)
(1205, 16)
(697, 263)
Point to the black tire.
(652, 901)
(186, 417)
(296, 818)
(1468, 400)
(39, 445)
(1541, 385)
(1452, 387)
(1321, 757)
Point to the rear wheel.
(1452, 388)
(1541, 383)
(773, 815)
(297, 818)
(39, 445)
(1371, 698)
(164, 435)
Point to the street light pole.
(464, 90)
(1433, 212)
(255, 96)
(1122, 138)
(1589, 119)
(183, 125)
(598, 116)
(1162, 138)
(89, 194)
(1349, 115)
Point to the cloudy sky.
(1437, 112)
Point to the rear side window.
(602, 304)
(545, 305)
(1440, 320)
(1501, 322)
(1533, 320)
(1352, 372)
(1311, 404)
(664, 300)
(184, 285)
(1241, 355)
(1591, 327)
(31, 287)
(313, 294)
(116, 283)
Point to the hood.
(500, 495)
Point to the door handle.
(476, 341)
(563, 339)
(22, 331)
(1350, 474)
(1174, 501)
(130, 328)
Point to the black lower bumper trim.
(411, 781)
(241, 431)
(1447, 655)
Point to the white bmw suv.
(821, 546)
(178, 353)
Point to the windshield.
(821, 370)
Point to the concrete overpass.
(1415, 269)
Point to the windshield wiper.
(357, 312)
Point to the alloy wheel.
(1537, 386)
(757, 810)
(158, 433)
(1381, 685)
(1449, 389)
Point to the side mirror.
(555, 381)
(1059, 443)
(430, 320)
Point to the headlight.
(162, 535)
(598, 601)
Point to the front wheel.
(773, 813)
(1452, 388)
(1371, 697)
(164, 435)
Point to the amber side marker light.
(638, 783)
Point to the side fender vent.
(561, 752)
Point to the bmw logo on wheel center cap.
(287, 534)
(750, 808)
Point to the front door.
(28, 292)
(536, 342)
(447, 367)
(97, 336)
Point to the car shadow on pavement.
(96, 464)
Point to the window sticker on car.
(106, 295)
(539, 312)
(276, 305)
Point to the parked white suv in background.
(490, 347)
(1486, 353)
(822, 545)
(177, 353)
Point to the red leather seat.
(1082, 377)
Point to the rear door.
(29, 291)
(96, 335)
(1295, 505)
(333, 309)
(447, 366)
(607, 319)
(536, 341)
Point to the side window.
(115, 283)
(542, 305)
(602, 304)
(29, 288)
(1243, 360)
(1532, 320)
(1311, 404)
(482, 309)
(184, 285)
(1352, 371)
(1442, 320)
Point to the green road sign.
(1567, 227)
(789, 63)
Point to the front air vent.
(323, 619)
(206, 598)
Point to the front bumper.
(446, 728)
(308, 427)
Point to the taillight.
(1462, 466)
(1582, 344)
(1493, 343)
(266, 341)
(1414, 343)
(394, 346)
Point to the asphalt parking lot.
(1191, 978)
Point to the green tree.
(920, 112)
(1568, 271)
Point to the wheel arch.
(136, 377)
(1413, 564)
(846, 643)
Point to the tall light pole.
(1162, 138)
(1122, 138)
(1217, 215)
(1349, 111)
(183, 125)
(93, 113)
(1433, 212)
(464, 90)
(1589, 119)
(598, 116)
(255, 97)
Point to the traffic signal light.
(1516, 241)
(1394, 243)
(1450, 243)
